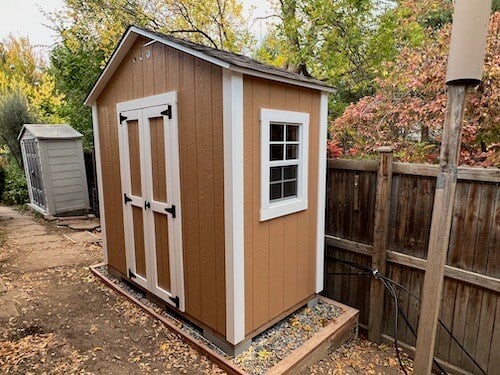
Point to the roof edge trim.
(127, 41)
(133, 32)
(272, 77)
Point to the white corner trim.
(232, 87)
(320, 238)
(97, 148)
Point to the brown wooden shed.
(211, 172)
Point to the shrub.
(2, 180)
(15, 189)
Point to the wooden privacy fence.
(384, 209)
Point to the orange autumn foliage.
(407, 111)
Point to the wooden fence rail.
(471, 292)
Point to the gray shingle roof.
(50, 131)
(239, 60)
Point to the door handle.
(147, 205)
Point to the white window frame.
(270, 210)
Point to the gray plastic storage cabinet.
(55, 168)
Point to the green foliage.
(23, 69)
(14, 112)
(347, 42)
(2, 180)
(15, 190)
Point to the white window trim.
(270, 210)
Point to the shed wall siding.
(280, 254)
(199, 89)
(64, 159)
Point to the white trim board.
(232, 88)
(133, 32)
(97, 148)
(320, 236)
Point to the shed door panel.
(135, 159)
(131, 164)
(158, 134)
(34, 172)
(150, 183)
(139, 246)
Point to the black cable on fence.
(440, 323)
(385, 280)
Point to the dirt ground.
(56, 318)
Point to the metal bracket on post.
(123, 118)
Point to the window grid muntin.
(282, 183)
(284, 131)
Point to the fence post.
(439, 237)
(380, 239)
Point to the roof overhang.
(134, 32)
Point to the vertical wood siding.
(279, 253)
(199, 88)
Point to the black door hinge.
(131, 274)
(171, 210)
(126, 199)
(123, 118)
(167, 112)
(147, 205)
(175, 300)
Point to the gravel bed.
(268, 348)
(274, 344)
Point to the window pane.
(276, 152)
(277, 131)
(292, 133)
(276, 173)
(292, 151)
(290, 189)
(290, 172)
(275, 191)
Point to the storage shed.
(211, 169)
(55, 168)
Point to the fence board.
(471, 292)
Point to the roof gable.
(224, 59)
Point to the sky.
(24, 17)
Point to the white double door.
(149, 166)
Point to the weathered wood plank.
(469, 277)
(429, 170)
(380, 239)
